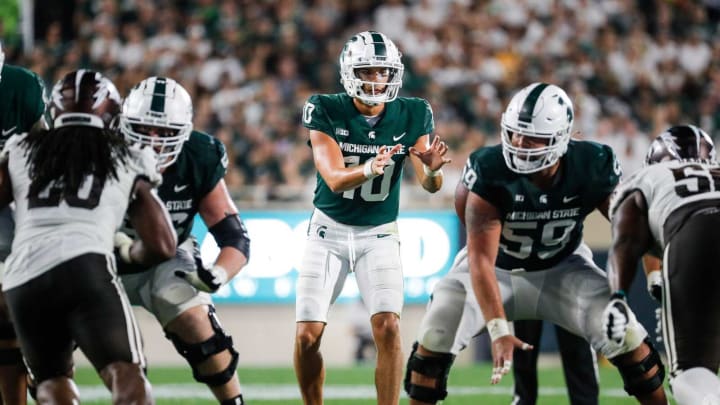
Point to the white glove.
(617, 318)
(122, 243)
(204, 279)
(655, 284)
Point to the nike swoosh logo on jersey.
(399, 137)
(178, 189)
(9, 131)
(568, 199)
(383, 235)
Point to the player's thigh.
(379, 275)
(691, 316)
(321, 277)
(574, 296)
(105, 331)
(39, 309)
(161, 292)
(453, 316)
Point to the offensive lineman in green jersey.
(359, 141)
(523, 204)
(158, 113)
(22, 105)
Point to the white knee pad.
(696, 386)
(440, 324)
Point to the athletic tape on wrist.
(498, 328)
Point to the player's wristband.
(498, 328)
(432, 173)
(368, 170)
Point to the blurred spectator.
(631, 66)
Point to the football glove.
(122, 243)
(616, 318)
(204, 279)
(655, 284)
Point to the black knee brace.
(437, 367)
(196, 353)
(634, 381)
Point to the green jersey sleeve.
(315, 115)
(484, 172)
(217, 165)
(428, 121)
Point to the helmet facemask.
(367, 50)
(544, 113)
(158, 113)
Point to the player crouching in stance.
(671, 210)
(72, 185)
(157, 113)
(523, 205)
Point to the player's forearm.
(344, 179)
(485, 287)
(232, 260)
(623, 260)
(432, 184)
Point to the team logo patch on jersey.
(543, 199)
(342, 132)
(519, 197)
(371, 134)
(321, 231)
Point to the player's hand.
(384, 158)
(204, 279)
(616, 319)
(434, 157)
(122, 243)
(655, 284)
(502, 353)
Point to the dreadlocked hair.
(66, 155)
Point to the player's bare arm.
(149, 218)
(461, 195)
(215, 207)
(428, 158)
(631, 239)
(484, 226)
(331, 166)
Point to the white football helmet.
(370, 49)
(540, 110)
(163, 103)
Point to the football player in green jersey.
(22, 104)
(158, 113)
(523, 204)
(360, 140)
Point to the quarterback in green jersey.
(22, 105)
(523, 204)
(360, 140)
(158, 113)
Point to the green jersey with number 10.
(542, 227)
(376, 201)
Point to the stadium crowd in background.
(632, 67)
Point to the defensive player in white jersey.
(72, 185)
(671, 209)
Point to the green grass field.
(349, 386)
